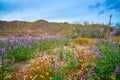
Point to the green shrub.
(108, 60)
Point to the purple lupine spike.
(3, 55)
(26, 42)
(97, 53)
(110, 41)
(56, 65)
(117, 70)
(114, 31)
(111, 33)
(56, 50)
(12, 61)
(64, 56)
(90, 73)
(101, 30)
(113, 43)
(75, 57)
(96, 42)
(83, 78)
(3, 50)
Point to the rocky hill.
(43, 27)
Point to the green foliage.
(23, 54)
(72, 35)
(45, 45)
(70, 65)
(6, 69)
(110, 56)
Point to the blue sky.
(97, 11)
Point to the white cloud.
(45, 11)
(56, 10)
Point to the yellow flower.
(42, 76)
(50, 70)
(61, 63)
(31, 77)
(93, 64)
(113, 76)
(50, 78)
(50, 60)
(47, 73)
(86, 69)
(38, 67)
(80, 60)
(35, 76)
(42, 61)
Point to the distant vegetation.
(42, 27)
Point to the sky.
(97, 11)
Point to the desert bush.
(72, 35)
(117, 39)
(40, 70)
(80, 41)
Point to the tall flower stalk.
(64, 56)
(3, 55)
(3, 63)
(101, 32)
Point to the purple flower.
(113, 43)
(64, 56)
(114, 31)
(3, 50)
(75, 57)
(97, 53)
(56, 65)
(111, 33)
(101, 30)
(83, 78)
(12, 61)
(15, 47)
(56, 50)
(90, 73)
(110, 41)
(3, 55)
(117, 70)
(96, 42)
(15, 40)
(26, 43)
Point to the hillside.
(42, 27)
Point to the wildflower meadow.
(52, 58)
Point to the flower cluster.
(81, 41)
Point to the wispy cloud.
(94, 6)
(42, 12)
(112, 5)
(107, 5)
